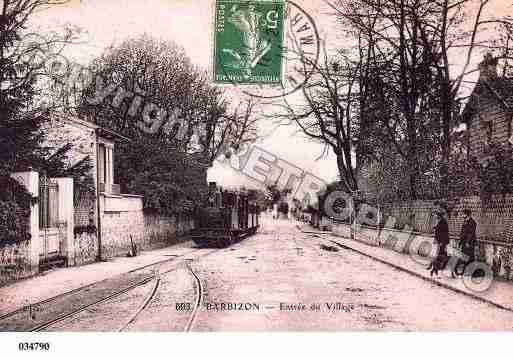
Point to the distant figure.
(468, 238)
(275, 211)
(442, 240)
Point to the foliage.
(167, 166)
(386, 178)
(170, 180)
(21, 115)
(57, 165)
(412, 96)
(89, 229)
(15, 204)
(486, 176)
(160, 73)
(20, 70)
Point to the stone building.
(87, 141)
(91, 208)
(489, 111)
(488, 116)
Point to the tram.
(227, 217)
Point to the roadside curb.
(414, 273)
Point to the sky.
(189, 23)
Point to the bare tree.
(412, 45)
(327, 111)
(244, 123)
(23, 55)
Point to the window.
(106, 165)
(102, 155)
(48, 203)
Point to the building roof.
(100, 131)
(502, 89)
(491, 86)
(499, 90)
(111, 135)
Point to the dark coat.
(468, 237)
(442, 239)
(468, 231)
(442, 232)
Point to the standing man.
(468, 237)
(442, 239)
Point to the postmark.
(298, 55)
(248, 41)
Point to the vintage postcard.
(245, 166)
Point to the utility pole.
(98, 206)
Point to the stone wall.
(498, 256)
(494, 216)
(86, 248)
(147, 231)
(14, 263)
(124, 222)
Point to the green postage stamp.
(248, 41)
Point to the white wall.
(66, 214)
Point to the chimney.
(488, 68)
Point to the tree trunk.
(446, 148)
(346, 176)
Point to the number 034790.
(36, 346)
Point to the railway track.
(47, 313)
(73, 301)
(28, 307)
(153, 292)
(197, 302)
(133, 318)
(71, 314)
(144, 305)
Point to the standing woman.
(442, 240)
